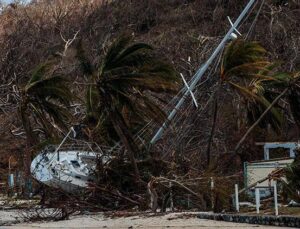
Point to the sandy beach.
(171, 220)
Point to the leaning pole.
(199, 74)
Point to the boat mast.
(199, 74)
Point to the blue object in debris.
(11, 182)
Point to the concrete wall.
(286, 221)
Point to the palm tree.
(119, 84)
(294, 97)
(246, 68)
(43, 99)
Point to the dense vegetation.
(114, 66)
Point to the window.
(75, 163)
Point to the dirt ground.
(171, 220)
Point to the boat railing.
(79, 147)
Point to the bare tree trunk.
(30, 137)
(259, 119)
(126, 138)
(208, 151)
(30, 141)
(153, 196)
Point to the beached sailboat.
(69, 167)
(74, 169)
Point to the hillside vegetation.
(72, 35)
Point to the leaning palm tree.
(43, 99)
(245, 67)
(119, 84)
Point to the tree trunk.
(30, 137)
(208, 151)
(30, 141)
(126, 138)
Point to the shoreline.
(124, 220)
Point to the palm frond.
(257, 103)
(58, 113)
(126, 72)
(38, 112)
(38, 73)
(46, 99)
(157, 78)
(256, 109)
(128, 64)
(132, 50)
(114, 51)
(248, 70)
(239, 54)
(52, 88)
(92, 101)
(153, 111)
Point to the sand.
(171, 220)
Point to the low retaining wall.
(286, 221)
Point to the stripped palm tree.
(118, 88)
(43, 99)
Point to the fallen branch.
(275, 174)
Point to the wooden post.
(257, 199)
(212, 186)
(237, 204)
(171, 197)
(275, 198)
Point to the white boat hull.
(68, 170)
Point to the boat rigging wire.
(255, 20)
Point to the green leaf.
(38, 73)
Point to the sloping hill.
(185, 32)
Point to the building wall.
(255, 171)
